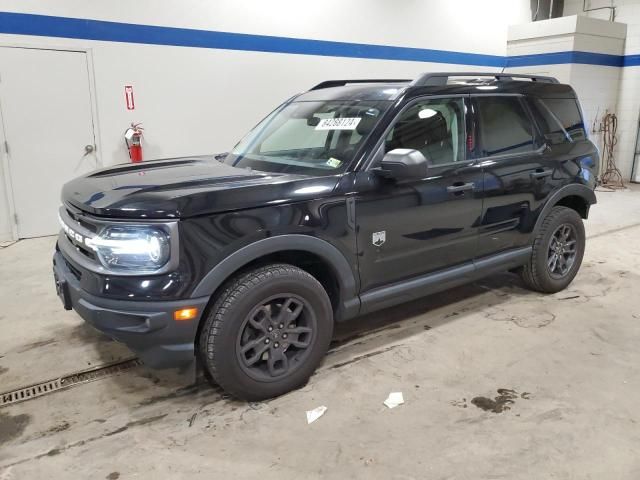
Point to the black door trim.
(400, 292)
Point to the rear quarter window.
(559, 119)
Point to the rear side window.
(505, 126)
(559, 119)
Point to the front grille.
(87, 253)
(87, 225)
(78, 216)
(74, 271)
(79, 227)
(81, 248)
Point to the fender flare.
(350, 302)
(576, 189)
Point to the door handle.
(89, 149)
(459, 187)
(541, 173)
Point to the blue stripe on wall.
(65, 27)
(632, 60)
(41, 25)
(556, 58)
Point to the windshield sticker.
(345, 123)
(334, 162)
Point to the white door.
(48, 125)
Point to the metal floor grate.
(67, 381)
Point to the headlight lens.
(132, 248)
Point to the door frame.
(377, 152)
(93, 104)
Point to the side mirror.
(404, 163)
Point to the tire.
(541, 273)
(259, 317)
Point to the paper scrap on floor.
(316, 413)
(394, 399)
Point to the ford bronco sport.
(354, 196)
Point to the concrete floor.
(572, 358)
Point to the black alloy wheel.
(276, 336)
(562, 250)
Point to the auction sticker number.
(345, 123)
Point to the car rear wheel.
(266, 332)
(557, 254)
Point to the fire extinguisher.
(133, 141)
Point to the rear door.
(519, 173)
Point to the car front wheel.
(267, 332)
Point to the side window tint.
(505, 126)
(559, 119)
(434, 127)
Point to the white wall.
(628, 106)
(202, 100)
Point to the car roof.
(438, 84)
(356, 92)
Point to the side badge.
(378, 238)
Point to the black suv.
(354, 196)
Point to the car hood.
(185, 187)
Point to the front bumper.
(146, 327)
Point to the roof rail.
(441, 78)
(342, 83)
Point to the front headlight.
(132, 248)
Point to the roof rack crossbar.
(341, 83)
(441, 78)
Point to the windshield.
(311, 138)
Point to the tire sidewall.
(548, 282)
(228, 372)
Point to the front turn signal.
(185, 314)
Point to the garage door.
(45, 104)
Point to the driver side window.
(434, 127)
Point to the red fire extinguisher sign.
(128, 95)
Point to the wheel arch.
(577, 197)
(298, 250)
